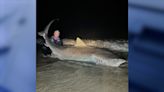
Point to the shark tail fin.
(79, 43)
(45, 32)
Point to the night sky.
(88, 19)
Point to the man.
(55, 38)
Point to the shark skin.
(82, 54)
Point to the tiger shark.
(81, 53)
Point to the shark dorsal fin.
(79, 43)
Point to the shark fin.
(47, 28)
(79, 43)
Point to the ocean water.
(117, 45)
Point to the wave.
(116, 45)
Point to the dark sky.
(88, 19)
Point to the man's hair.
(57, 31)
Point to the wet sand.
(66, 76)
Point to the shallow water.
(71, 76)
(66, 76)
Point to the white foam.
(118, 45)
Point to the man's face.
(56, 34)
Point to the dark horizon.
(92, 19)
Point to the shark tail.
(45, 32)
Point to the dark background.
(88, 19)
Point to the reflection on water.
(64, 76)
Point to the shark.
(81, 53)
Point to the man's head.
(56, 33)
